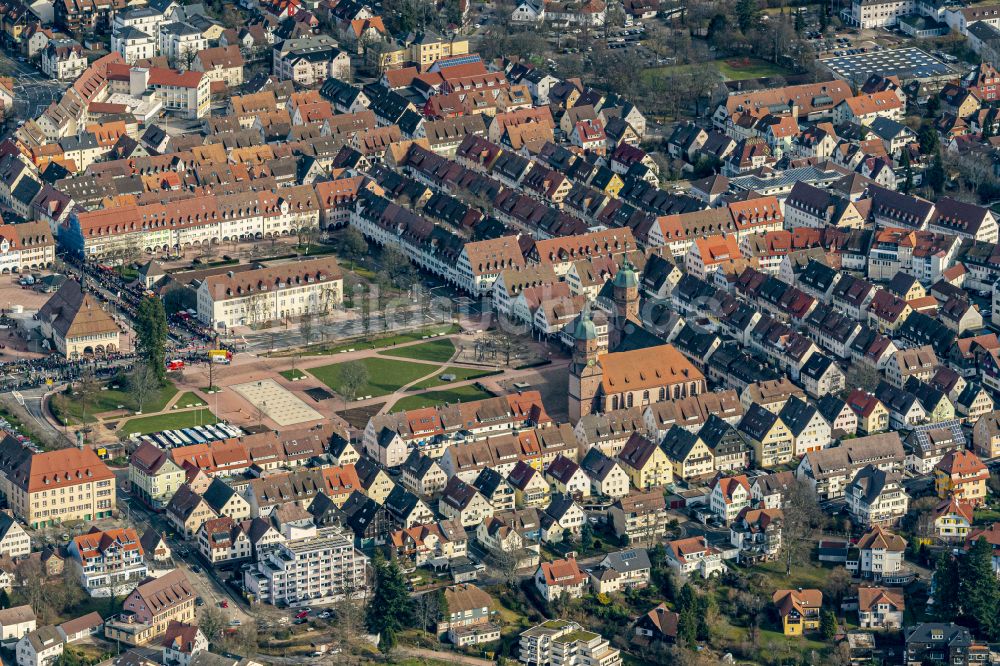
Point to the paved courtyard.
(279, 404)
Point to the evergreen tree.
(935, 174)
(946, 592)
(151, 336)
(979, 590)
(747, 14)
(828, 624)
(390, 607)
(688, 622)
(904, 162)
(933, 106)
(586, 537)
(928, 138)
(800, 21)
(442, 605)
(716, 27)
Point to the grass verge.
(461, 375)
(439, 351)
(458, 394)
(189, 399)
(69, 409)
(168, 421)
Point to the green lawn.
(986, 516)
(732, 69)
(168, 421)
(189, 399)
(69, 409)
(384, 375)
(806, 575)
(466, 393)
(293, 375)
(739, 69)
(461, 374)
(439, 351)
(375, 343)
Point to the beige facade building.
(151, 607)
(76, 323)
(53, 487)
(252, 297)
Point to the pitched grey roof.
(217, 494)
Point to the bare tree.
(504, 563)
(802, 518)
(306, 326)
(255, 308)
(29, 577)
(88, 389)
(142, 383)
(353, 376)
(212, 622)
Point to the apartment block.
(314, 569)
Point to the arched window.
(628, 400)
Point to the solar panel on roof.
(459, 60)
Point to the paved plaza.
(279, 404)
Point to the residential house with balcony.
(530, 487)
(689, 456)
(757, 534)
(560, 578)
(461, 501)
(494, 487)
(621, 570)
(799, 610)
(878, 554)
(952, 520)
(468, 619)
(645, 463)
(728, 496)
(151, 607)
(108, 561)
(640, 516)
(881, 608)
(962, 475)
(876, 497)
(607, 478)
(694, 555)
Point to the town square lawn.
(439, 351)
(384, 375)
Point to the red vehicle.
(224, 603)
(301, 615)
(176, 364)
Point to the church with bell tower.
(625, 296)
(584, 372)
(636, 368)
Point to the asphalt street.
(33, 91)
